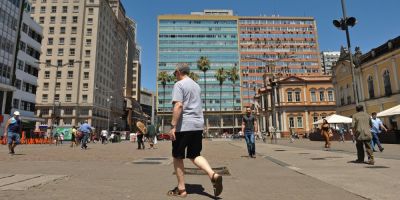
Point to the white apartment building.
(27, 69)
(83, 62)
(329, 59)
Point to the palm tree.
(221, 76)
(163, 77)
(194, 76)
(233, 75)
(203, 64)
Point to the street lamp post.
(109, 111)
(343, 24)
(54, 94)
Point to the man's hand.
(172, 134)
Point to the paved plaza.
(299, 170)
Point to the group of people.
(365, 130)
(146, 133)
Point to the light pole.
(343, 24)
(54, 92)
(109, 111)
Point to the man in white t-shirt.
(104, 135)
(186, 132)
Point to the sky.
(378, 21)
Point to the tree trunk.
(205, 102)
(233, 108)
(220, 109)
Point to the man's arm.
(243, 126)
(6, 127)
(255, 125)
(176, 114)
(382, 126)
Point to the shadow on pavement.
(198, 189)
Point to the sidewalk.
(108, 172)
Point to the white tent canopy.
(390, 112)
(335, 119)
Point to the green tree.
(194, 76)
(233, 75)
(163, 77)
(221, 76)
(203, 64)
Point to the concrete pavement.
(109, 172)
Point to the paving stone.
(33, 182)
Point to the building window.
(76, 9)
(59, 74)
(68, 97)
(86, 75)
(85, 86)
(49, 52)
(45, 86)
(16, 103)
(386, 83)
(20, 64)
(87, 64)
(52, 20)
(371, 87)
(349, 99)
(62, 30)
(45, 98)
(330, 95)
(90, 11)
(69, 85)
(313, 96)
(41, 20)
(47, 74)
(291, 122)
(59, 62)
(50, 41)
(70, 74)
(297, 96)
(63, 20)
(68, 111)
(315, 119)
(43, 9)
(58, 86)
(60, 52)
(289, 96)
(56, 97)
(51, 30)
(65, 9)
(74, 19)
(299, 122)
(88, 42)
(54, 9)
(74, 30)
(18, 84)
(84, 98)
(73, 41)
(72, 52)
(87, 53)
(90, 20)
(89, 31)
(321, 95)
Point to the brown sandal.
(177, 192)
(217, 184)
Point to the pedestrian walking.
(186, 132)
(292, 135)
(104, 135)
(12, 132)
(341, 134)
(249, 126)
(85, 129)
(362, 130)
(353, 138)
(326, 132)
(376, 128)
(73, 137)
(151, 134)
(140, 134)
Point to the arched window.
(289, 96)
(331, 96)
(341, 93)
(386, 83)
(313, 95)
(371, 87)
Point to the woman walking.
(326, 133)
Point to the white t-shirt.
(104, 133)
(189, 93)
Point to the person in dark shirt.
(249, 126)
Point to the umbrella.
(390, 112)
(336, 119)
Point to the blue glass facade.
(185, 41)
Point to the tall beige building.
(84, 62)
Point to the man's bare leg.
(179, 170)
(202, 163)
